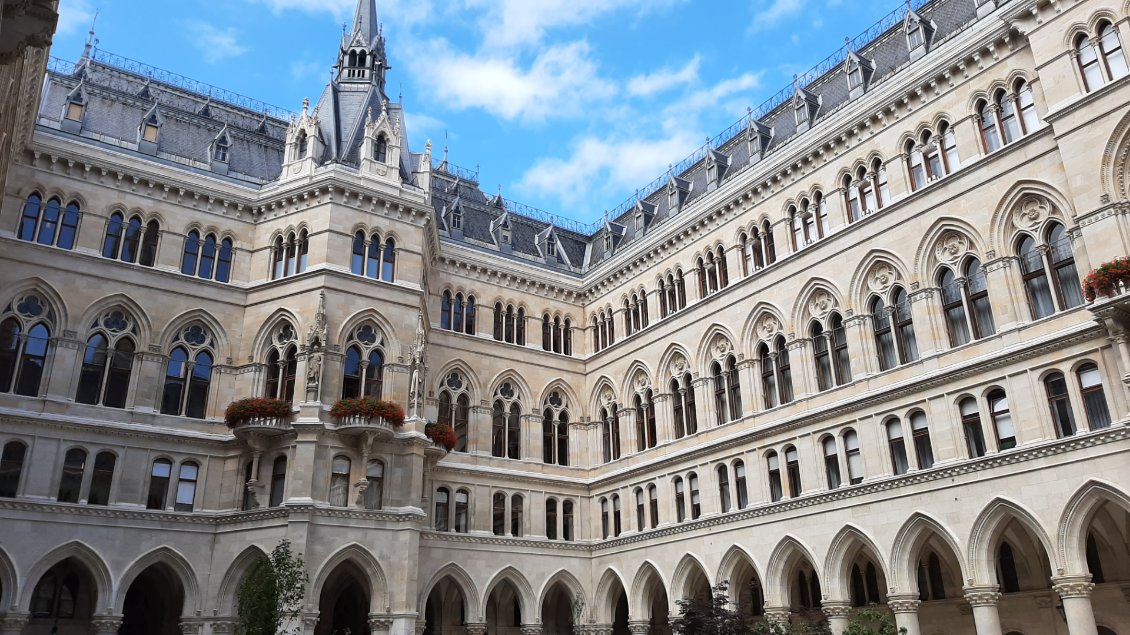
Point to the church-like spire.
(365, 22)
(362, 57)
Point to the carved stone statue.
(416, 383)
(315, 343)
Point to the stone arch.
(524, 392)
(639, 605)
(475, 389)
(671, 356)
(571, 398)
(1023, 208)
(8, 578)
(561, 580)
(391, 342)
(172, 329)
(879, 270)
(815, 301)
(85, 555)
(765, 321)
(788, 553)
(716, 338)
(459, 577)
(844, 548)
(180, 567)
(123, 301)
(49, 294)
(229, 586)
(926, 260)
(734, 557)
(263, 335)
(910, 539)
(635, 370)
(601, 388)
(364, 559)
(603, 609)
(566, 578)
(684, 574)
(1076, 518)
(526, 597)
(990, 523)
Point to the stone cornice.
(211, 518)
(503, 541)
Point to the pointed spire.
(365, 21)
(91, 41)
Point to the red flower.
(369, 408)
(1106, 277)
(242, 410)
(441, 434)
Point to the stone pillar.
(984, 601)
(861, 346)
(64, 359)
(837, 613)
(475, 629)
(309, 622)
(628, 437)
(664, 432)
(531, 629)
(898, 181)
(905, 608)
(929, 323)
(105, 625)
(480, 429)
(704, 402)
(779, 615)
(534, 446)
(968, 132)
(421, 626)
(752, 399)
(639, 627)
(802, 367)
(1005, 294)
(192, 627)
(1075, 591)
(301, 472)
(13, 623)
(379, 625)
(149, 373)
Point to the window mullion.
(967, 306)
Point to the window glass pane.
(1112, 51)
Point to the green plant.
(270, 596)
(369, 408)
(710, 615)
(765, 627)
(1106, 277)
(242, 410)
(441, 434)
(870, 620)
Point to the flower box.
(365, 408)
(441, 434)
(256, 408)
(1109, 279)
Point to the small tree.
(270, 597)
(764, 627)
(710, 616)
(869, 620)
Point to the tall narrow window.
(1111, 48)
(616, 526)
(516, 515)
(696, 499)
(784, 371)
(740, 484)
(30, 218)
(1089, 62)
(102, 478)
(380, 149)
(897, 447)
(915, 165)
(339, 481)
(1060, 404)
(768, 364)
(207, 257)
(1064, 273)
(971, 426)
(957, 323)
(374, 484)
(904, 326)
(1094, 400)
(191, 253)
(1002, 420)
(923, 449)
(551, 518)
(884, 337)
(831, 462)
(462, 511)
(1035, 279)
(1029, 120)
(70, 484)
(853, 456)
(792, 470)
(680, 500)
(69, 228)
(186, 486)
(653, 505)
(440, 518)
(604, 519)
(388, 261)
(821, 356)
(567, 520)
(159, 478)
(949, 147)
(840, 358)
(11, 468)
(641, 510)
(723, 488)
(773, 462)
(278, 481)
(978, 289)
(1009, 122)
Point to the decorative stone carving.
(821, 304)
(475, 629)
(721, 347)
(531, 629)
(982, 596)
(13, 623)
(678, 366)
(768, 326)
(951, 247)
(903, 604)
(191, 628)
(833, 610)
(1031, 211)
(416, 383)
(1073, 587)
(223, 626)
(881, 277)
(105, 625)
(639, 628)
(608, 398)
(379, 623)
(777, 615)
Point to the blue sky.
(566, 105)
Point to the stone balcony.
(263, 427)
(356, 425)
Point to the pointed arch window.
(555, 430)
(1002, 420)
(506, 434)
(108, 361)
(740, 486)
(653, 505)
(49, 223)
(884, 335)
(131, 241)
(188, 373)
(380, 149)
(610, 432)
(792, 470)
(102, 478)
(208, 258)
(498, 513)
(455, 407)
(773, 464)
(1110, 47)
(282, 363)
(302, 144)
(604, 519)
(821, 356)
(695, 496)
(290, 254)
(641, 510)
(617, 527)
(364, 363)
(683, 405)
(1094, 400)
(25, 338)
(11, 468)
(680, 500)
(767, 360)
(990, 130)
(723, 487)
(923, 450)
(646, 432)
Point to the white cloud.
(74, 15)
(423, 127)
(664, 80)
(398, 11)
(215, 44)
(303, 69)
(557, 83)
(710, 97)
(776, 12)
(515, 22)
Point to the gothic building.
(839, 356)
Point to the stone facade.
(851, 368)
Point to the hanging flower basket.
(441, 434)
(369, 409)
(1107, 279)
(244, 410)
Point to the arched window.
(555, 430)
(853, 457)
(821, 356)
(506, 435)
(188, 374)
(302, 144)
(610, 432)
(915, 165)
(977, 294)
(971, 426)
(567, 520)
(131, 242)
(1094, 400)
(380, 149)
(932, 156)
(1060, 404)
(1063, 273)
(740, 486)
(443, 508)
(108, 361)
(604, 519)
(680, 500)
(641, 510)
(1035, 279)
(767, 361)
(551, 518)
(29, 220)
(70, 483)
(388, 261)
(904, 326)
(616, 526)
(953, 306)
(1009, 122)
(208, 257)
(646, 432)
(357, 257)
(373, 257)
(950, 157)
(990, 132)
(102, 478)
(792, 470)
(1029, 118)
(723, 487)
(920, 431)
(278, 481)
(897, 446)
(831, 462)
(374, 484)
(1110, 47)
(186, 487)
(696, 499)
(884, 335)
(11, 468)
(49, 223)
(462, 511)
(1002, 420)
(653, 505)
(498, 514)
(840, 358)
(25, 337)
(159, 477)
(455, 407)
(364, 363)
(773, 464)
(282, 363)
(339, 481)
(727, 390)
(189, 260)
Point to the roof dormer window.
(804, 107)
(456, 218)
(639, 221)
(551, 247)
(801, 109)
(859, 71)
(504, 232)
(221, 151)
(75, 109)
(918, 32)
(608, 241)
(150, 129)
(380, 149)
(915, 37)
